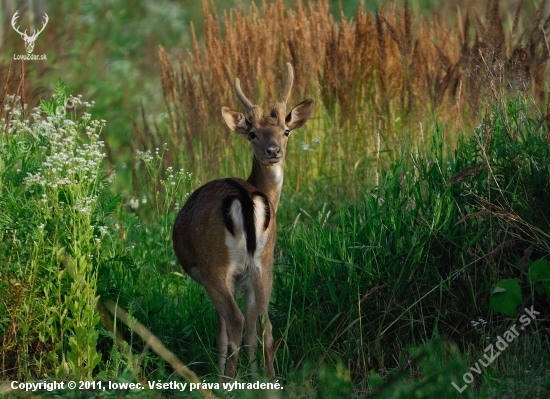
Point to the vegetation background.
(414, 223)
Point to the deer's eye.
(287, 132)
(252, 135)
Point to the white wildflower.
(134, 203)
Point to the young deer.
(224, 235)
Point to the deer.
(29, 40)
(224, 236)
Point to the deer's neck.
(268, 179)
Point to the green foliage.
(522, 371)
(429, 239)
(539, 275)
(506, 296)
(51, 183)
(418, 252)
(439, 365)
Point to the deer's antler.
(280, 107)
(289, 80)
(242, 98)
(253, 112)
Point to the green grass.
(375, 287)
(382, 288)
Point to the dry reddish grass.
(363, 69)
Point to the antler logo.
(29, 40)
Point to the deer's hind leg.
(230, 327)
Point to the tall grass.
(415, 258)
(383, 261)
(412, 261)
(377, 76)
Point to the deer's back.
(226, 221)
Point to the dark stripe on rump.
(267, 208)
(247, 213)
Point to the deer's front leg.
(267, 340)
(262, 283)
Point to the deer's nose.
(273, 151)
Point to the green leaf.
(110, 204)
(499, 289)
(539, 270)
(48, 107)
(539, 274)
(506, 297)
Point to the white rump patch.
(239, 259)
(236, 213)
(236, 244)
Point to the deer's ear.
(299, 114)
(236, 121)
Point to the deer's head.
(268, 133)
(29, 40)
